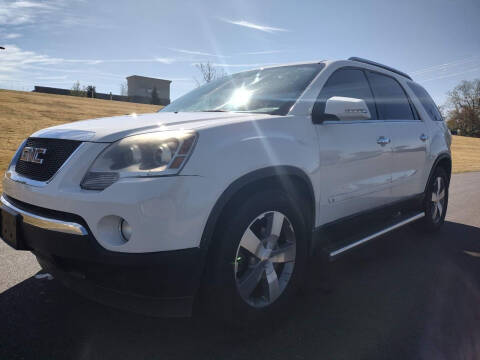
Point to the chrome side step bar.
(337, 252)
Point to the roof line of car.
(374, 63)
(351, 59)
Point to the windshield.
(268, 91)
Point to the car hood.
(117, 127)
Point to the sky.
(58, 42)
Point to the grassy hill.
(465, 154)
(23, 113)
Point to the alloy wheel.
(438, 199)
(265, 259)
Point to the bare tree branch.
(209, 72)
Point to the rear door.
(355, 165)
(408, 135)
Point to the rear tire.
(435, 202)
(257, 260)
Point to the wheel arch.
(443, 160)
(290, 178)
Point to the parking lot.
(404, 296)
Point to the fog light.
(126, 230)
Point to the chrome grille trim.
(55, 153)
(13, 175)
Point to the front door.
(355, 155)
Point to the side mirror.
(345, 108)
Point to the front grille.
(58, 151)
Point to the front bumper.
(159, 283)
(165, 213)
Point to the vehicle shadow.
(404, 296)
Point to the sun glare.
(240, 97)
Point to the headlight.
(152, 154)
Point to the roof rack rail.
(370, 62)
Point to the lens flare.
(240, 97)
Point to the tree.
(209, 72)
(77, 90)
(463, 104)
(90, 91)
(124, 89)
(155, 100)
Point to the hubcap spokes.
(438, 199)
(265, 259)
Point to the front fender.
(227, 153)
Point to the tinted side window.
(427, 102)
(348, 83)
(392, 102)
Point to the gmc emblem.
(30, 154)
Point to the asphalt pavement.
(404, 296)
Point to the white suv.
(233, 193)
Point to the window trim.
(413, 109)
(415, 113)
(409, 84)
(346, 121)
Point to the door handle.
(382, 140)
(423, 137)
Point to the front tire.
(258, 258)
